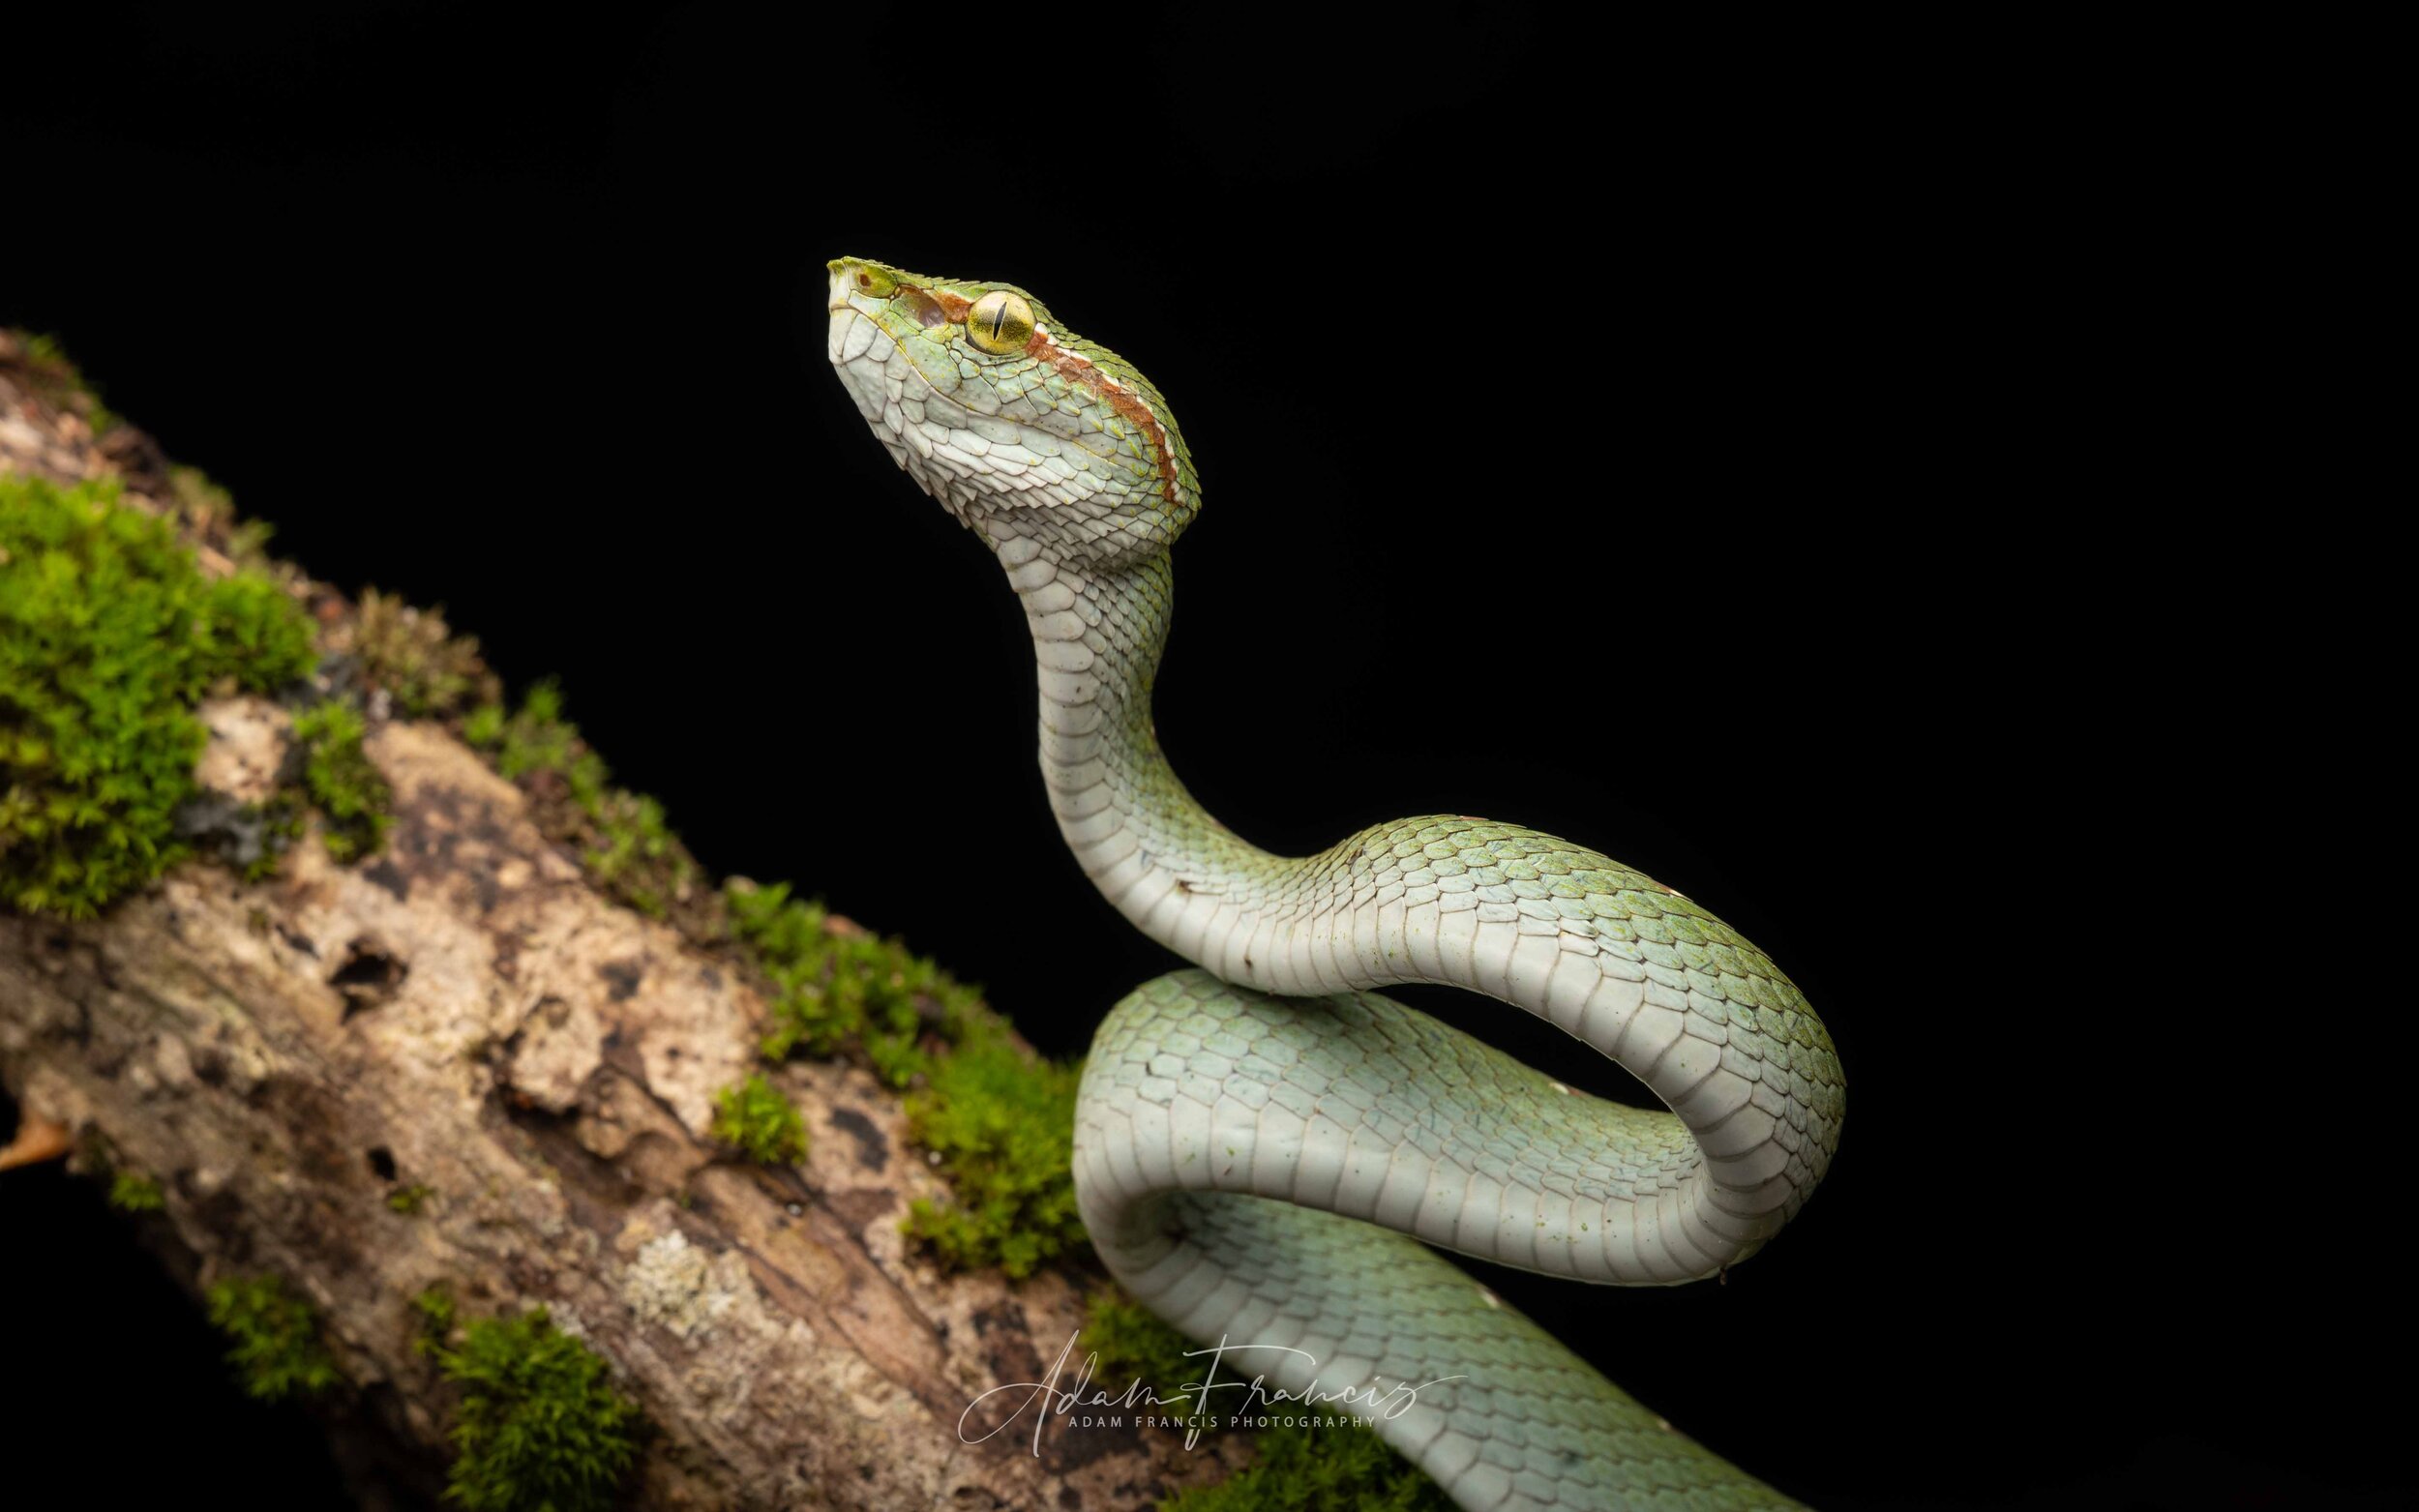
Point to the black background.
(1700, 447)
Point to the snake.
(1268, 1153)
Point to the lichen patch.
(673, 1285)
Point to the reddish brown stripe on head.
(1078, 369)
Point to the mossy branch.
(122, 610)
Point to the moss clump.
(337, 774)
(1305, 1469)
(623, 842)
(434, 1313)
(1134, 1345)
(835, 991)
(1317, 1469)
(633, 854)
(132, 1192)
(426, 669)
(1002, 1120)
(536, 739)
(409, 1201)
(1004, 1123)
(276, 1350)
(754, 1119)
(541, 1427)
(109, 637)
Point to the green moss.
(1134, 1345)
(1317, 1469)
(1307, 1469)
(483, 728)
(623, 842)
(835, 992)
(60, 383)
(1001, 1119)
(257, 633)
(536, 739)
(754, 1119)
(410, 1200)
(132, 1192)
(427, 670)
(276, 1333)
(1004, 1123)
(434, 1313)
(338, 775)
(541, 1427)
(634, 856)
(109, 637)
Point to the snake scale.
(1263, 1143)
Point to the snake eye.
(1000, 322)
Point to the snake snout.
(861, 275)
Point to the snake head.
(1018, 426)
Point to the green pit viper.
(1263, 1144)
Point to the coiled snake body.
(1255, 1138)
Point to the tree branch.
(460, 1065)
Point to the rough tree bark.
(467, 1013)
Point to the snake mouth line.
(842, 302)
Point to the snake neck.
(1099, 633)
(1637, 972)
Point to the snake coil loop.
(1263, 1143)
